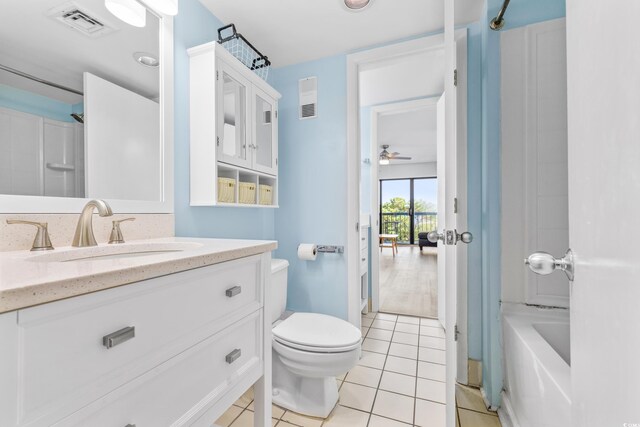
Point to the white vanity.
(149, 333)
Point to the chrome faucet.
(84, 230)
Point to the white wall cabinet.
(234, 128)
(193, 349)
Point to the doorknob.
(464, 237)
(544, 263)
(434, 236)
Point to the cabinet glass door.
(265, 156)
(232, 120)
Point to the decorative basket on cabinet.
(226, 190)
(247, 193)
(266, 194)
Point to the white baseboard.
(506, 414)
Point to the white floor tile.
(430, 322)
(370, 314)
(394, 406)
(432, 332)
(346, 417)
(432, 355)
(357, 396)
(409, 320)
(364, 376)
(366, 321)
(376, 346)
(432, 342)
(301, 420)
(380, 334)
(400, 365)
(230, 414)
(430, 414)
(378, 421)
(372, 360)
(408, 328)
(403, 350)
(431, 390)
(246, 420)
(383, 324)
(386, 316)
(245, 399)
(363, 331)
(398, 383)
(432, 371)
(404, 338)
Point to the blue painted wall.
(313, 194)
(29, 102)
(520, 13)
(193, 26)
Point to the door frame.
(356, 62)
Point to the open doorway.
(408, 272)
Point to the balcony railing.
(399, 223)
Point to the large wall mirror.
(85, 108)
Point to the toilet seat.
(317, 333)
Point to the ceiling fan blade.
(395, 153)
(400, 158)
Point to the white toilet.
(309, 351)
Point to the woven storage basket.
(226, 190)
(247, 193)
(266, 194)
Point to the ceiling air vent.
(71, 15)
(308, 106)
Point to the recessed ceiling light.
(129, 11)
(146, 59)
(356, 4)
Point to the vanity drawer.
(181, 389)
(65, 363)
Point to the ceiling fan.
(385, 156)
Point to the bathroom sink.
(111, 252)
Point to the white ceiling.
(414, 76)
(411, 133)
(36, 44)
(294, 31)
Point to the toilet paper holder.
(330, 249)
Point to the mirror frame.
(45, 204)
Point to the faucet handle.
(41, 241)
(116, 233)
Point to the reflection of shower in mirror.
(79, 117)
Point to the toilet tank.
(278, 288)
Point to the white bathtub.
(537, 362)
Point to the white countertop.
(32, 278)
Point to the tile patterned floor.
(398, 382)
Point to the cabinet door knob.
(233, 356)
(118, 337)
(232, 292)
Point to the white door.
(604, 200)
(441, 161)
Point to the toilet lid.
(313, 331)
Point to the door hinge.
(276, 114)
(456, 332)
(276, 161)
(455, 205)
(218, 141)
(455, 77)
(217, 75)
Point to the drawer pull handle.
(118, 337)
(233, 356)
(232, 292)
(363, 259)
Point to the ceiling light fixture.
(129, 11)
(166, 7)
(356, 5)
(146, 59)
(384, 162)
